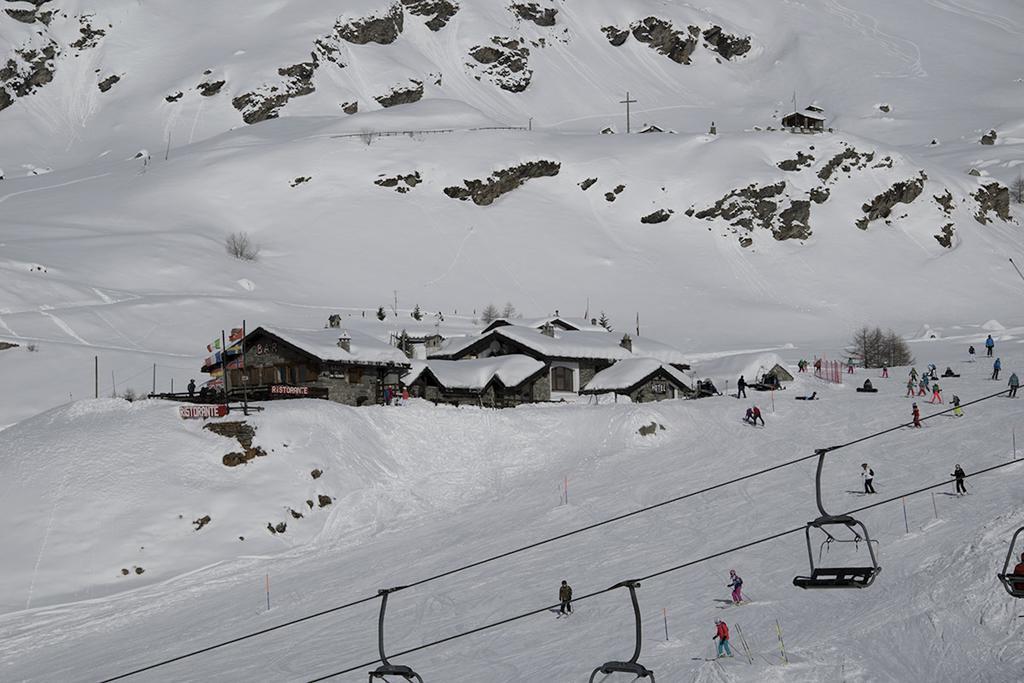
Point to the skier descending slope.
(736, 583)
(722, 635)
(916, 414)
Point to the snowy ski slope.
(420, 489)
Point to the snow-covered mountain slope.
(100, 485)
(117, 200)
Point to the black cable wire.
(546, 541)
(656, 574)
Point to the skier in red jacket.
(722, 634)
(917, 416)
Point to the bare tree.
(509, 311)
(241, 246)
(490, 314)
(1017, 189)
(875, 349)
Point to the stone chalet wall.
(645, 392)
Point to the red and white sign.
(202, 412)
(289, 391)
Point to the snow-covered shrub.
(241, 246)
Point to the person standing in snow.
(933, 371)
(956, 406)
(917, 416)
(911, 387)
(1014, 385)
(936, 394)
(753, 415)
(868, 475)
(913, 374)
(923, 386)
(565, 598)
(958, 474)
(970, 352)
(722, 635)
(191, 389)
(741, 388)
(990, 345)
(885, 372)
(996, 367)
(849, 366)
(736, 583)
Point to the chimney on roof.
(548, 329)
(627, 343)
(345, 342)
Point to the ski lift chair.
(1013, 583)
(836, 577)
(631, 666)
(387, 668)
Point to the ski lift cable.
(659, 573)
(542, 542)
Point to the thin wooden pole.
(224, 364)
(96, 375)
(664, 615)
(268, 592)
(154, 378)
(934, 506)
(245, 376)
(906, 523)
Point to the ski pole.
(782, 644)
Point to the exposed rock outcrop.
(350, 107)
(728, 46)
(505, 61)
(484, 192)
(587, 184)
(89, 36)
(802, 160)
(749, 207)
(992, 198)
(614, 194)
(210, 88)
(402, 95)
(903, 192)
(383, 29)
(794, 221)
(267, 101)
(945, 201)
(201, 522)
(27, 71)
(846, 161)
(531, 11)
(616, 36)
(659, 216)
(945, 236)
(323, 501)
(175, 96)
(989, 138)
(108, 82)
(400, 183)
(820, 195)
(441, 11)
(662, 36)
(241, 432)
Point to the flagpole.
(245, 375)
(224, 364)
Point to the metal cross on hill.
(627, 102)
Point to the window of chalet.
(355, 375)
(562, 379)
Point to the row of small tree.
(877, 349)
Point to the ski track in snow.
(998, 21)
(64, 326)
(52, 187)
(455, 260)
(869, 28)
(46, 536)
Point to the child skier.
(755, 415)
(1014, 385)
(917, 416)
(923, 386)
(996, 367)
(911, 387)
(722, 635)
(736, 583)
(936, 394)
(958, 474)
(956, 406)
(913, 374)
(565, 598)
(885, 373)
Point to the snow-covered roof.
(571, 344)
(476, 374)
(809, 114)
(581, 324)
(323, 343)
(630, 372)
